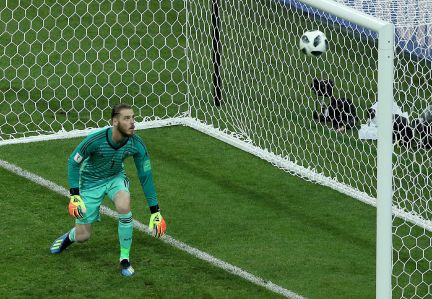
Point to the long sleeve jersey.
(98, 159)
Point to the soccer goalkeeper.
(95, 169)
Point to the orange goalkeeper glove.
(76, 207)
(157, 224)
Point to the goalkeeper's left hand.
(157, 224)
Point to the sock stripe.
(125, 220)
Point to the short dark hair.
(118, 108)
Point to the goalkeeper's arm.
(76, 205)
(142, 162)
(80, 153)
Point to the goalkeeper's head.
(123, 119)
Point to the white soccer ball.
(313, 43)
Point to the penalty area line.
(166, 238)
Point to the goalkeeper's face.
(125, 122)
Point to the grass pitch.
(306, 238)
(65, 61)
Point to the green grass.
(64, 63)
(36, 216)
(231, 205)
(309, 239)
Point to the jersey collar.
(111, 142)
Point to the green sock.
(72, 235)
(125, 230)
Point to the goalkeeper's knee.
(82, 234)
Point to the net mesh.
(267, 100)
(267, 95)
(64, 63)
(403, 13)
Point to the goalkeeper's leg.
(80, 233)
(63, 242)
(82, 230)
(125, 230)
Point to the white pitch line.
(166, 238)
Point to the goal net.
(64, 63)
(233, 70)
(267, 101)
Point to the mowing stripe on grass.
(166, 238)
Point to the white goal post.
(232, 69)
(385, 144)
(385, 32)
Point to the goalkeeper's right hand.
(76, 206)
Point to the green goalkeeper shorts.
(93, 197)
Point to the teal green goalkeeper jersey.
(97, 159)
